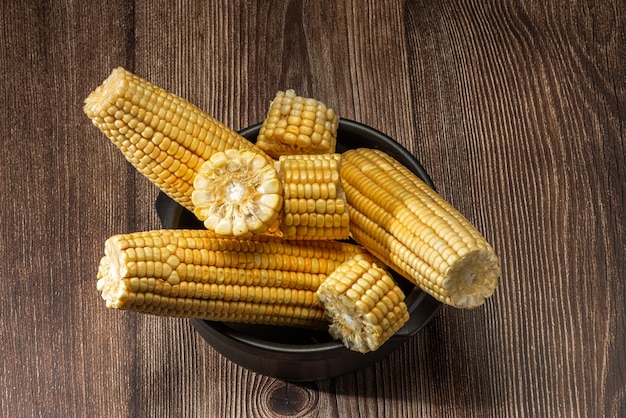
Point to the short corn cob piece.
(165, 137)
(365, 306)
(298, 125)
(409, 227)
(192, 273)
(314, 201)
(237, 193)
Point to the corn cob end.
(471, 280)
(100, 99)
(365, 306)
(110, 284)
(237, 193)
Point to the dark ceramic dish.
(296, 354)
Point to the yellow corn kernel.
(165, 137)
(298, 125)
(314, 202)
(365, 306)
(194, 273)
(408, 226)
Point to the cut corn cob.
(364, 304)
(298, 125)
(408, 226)
(314, 201)
(165, 137)
(237, 193)
(192, 273)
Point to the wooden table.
(516, 109)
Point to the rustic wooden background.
(515, 108)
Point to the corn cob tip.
(364, 304)
(100, 99)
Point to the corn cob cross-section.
(165, 137)
(408, 226)
(191, 273)
(366, 307)
(298, 125)
(314, 201)
(237, 193)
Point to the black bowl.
(295, 354)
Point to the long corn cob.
(298, 125)
(314, 201)
(165, 137)
(365, 306)
(191, 273)
(237, 193)
(408, 226)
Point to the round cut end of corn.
(298, 125)
(237, 193)
(364, 304)
(472, 279)
(110, 284)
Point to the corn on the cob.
(192, 273)
(408, 226)
(237, 193)
(364, 304)
(298, 125)
(314, 201)
(165, 137)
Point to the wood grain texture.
(516, 109)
